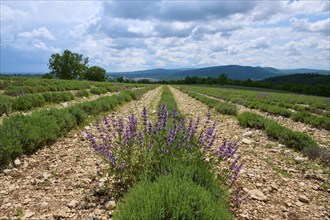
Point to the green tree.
(68, 65)
(222, 79)
(47, 76)
(95, 73)
(120, 79)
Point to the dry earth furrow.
(269, 168)
(56, 182)
(322, 136)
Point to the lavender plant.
(134, 147)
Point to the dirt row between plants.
(280, 184)
(322, 136)
(65, 180)
(60, 105)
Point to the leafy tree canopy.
(68, 65)
(120, 79)
(95, 73)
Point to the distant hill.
(233, 72)
(300, 79)
(304, 70)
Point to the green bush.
(90, 108)
(226, 108)
(314, 120)
(27, 102)
(195, 170)
(252, 120)
(78, 113)
(5, 105)
(10, 146)
(82, 93)
(221, 107)
(272, 109)
(296, 140)
(25, 134)
(57, 97)
(170, 198)
(98, 90)
(61, 117)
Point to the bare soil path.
(282, 187)
(64, 180)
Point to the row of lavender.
(25, 101)
(310, 110)
(293, 139)
(24, 134)
(165, 167)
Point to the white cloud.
(322, 26)
(39, 33)
(9, 14)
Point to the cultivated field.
(58, 163)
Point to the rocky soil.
(65, 180)
(280, 182)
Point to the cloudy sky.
(135, 35)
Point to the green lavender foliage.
(170, 197)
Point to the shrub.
(195, 170)
(5, 105)
(57, 97)
(221, 107)
(296, 140)
(314, 120)
(10, 146)
(78, 113)
(226, 108)
(27, 133)
(27, 102)
(90, 108)
(61, 117)
(98, 90)
(252, 120)
(170, 198)
(82, 93)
